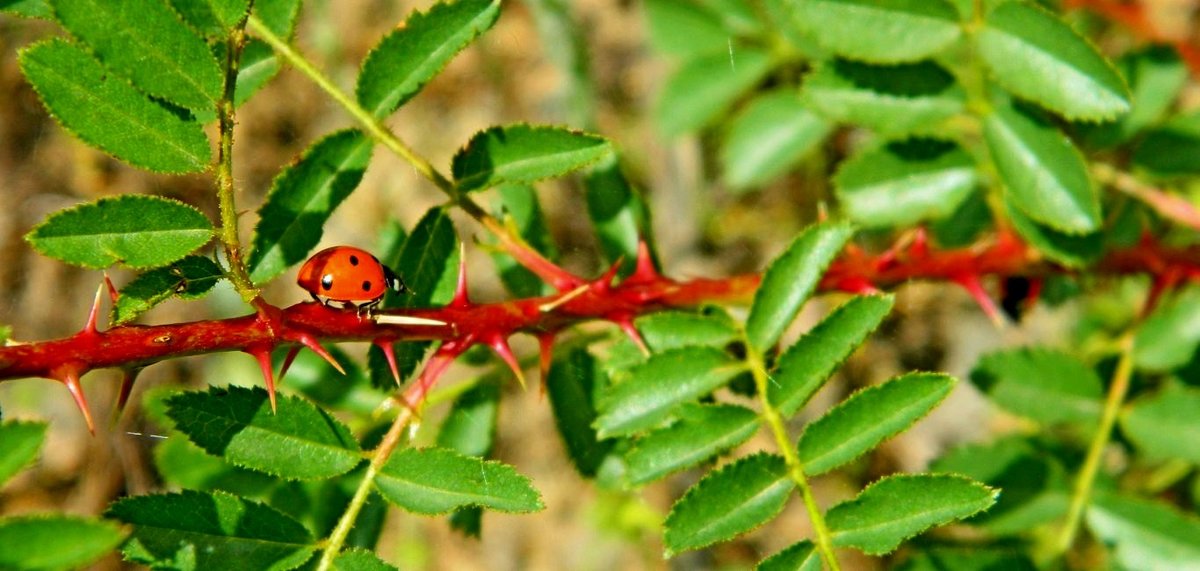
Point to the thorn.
(312, 343)
(389, 352)
(288, 360)
(128, 376)
(605, 281)
(388, 319)
(112, 290)
(564, 298)
(626, 325)
(414, 396)
(263, 355)
(500, 345)
(69, 375)
(460, 298)
(89, 328)
(644, 271)
(971, 283)
(545, 354)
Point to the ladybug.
(346, 274)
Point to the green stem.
(226, 195)
(795, 467)
(1091, 465)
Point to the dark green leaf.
(1045, 385)
(136, 230)
(1165, 425)
(524, 154)
(108, 113)
(19, 445)
(727, 502)
(210, 530)
(429, 262)
(436, 481)
(769, 137)
(316, 379)
(684, 28)
(899, 507)
(1037, 56)
(418, 49)
(1170, 336)
(519, 204)
(899, 30)
(1072, 250)
(360, 560)
(572, 385)
(703, 88)
(28, 8)
(470, 426)
(183, 464)
(1172, 149)
(790, 279)
(800, 556)
(892, 99)
(302, 198)
(658, 386)
(805, 365)
(1147, 534)
(190, 278)
(964, 225)
(969, 559)
(1156, 75)
(869, 417)
(702, 431)
(902, 183)
(298, 441)
(55, 541)
(617, 210)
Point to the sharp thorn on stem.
(500, 345)
(312, 343)
(263, 356)
(288, 360)
(389, 353)
(69, 375)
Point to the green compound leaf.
(1147, 534)
(524, 154)
(138, 231)
(702, 431)
(1165, 425)
(104, 111)
(902, 183)
(769, 137)
(1071, 250)
(1044, 174)
(869, 417)
(299, 441)
(190, 278)
(202, 530)
(55, 541)
(703, 88)
(617, 210)
(800, 556)
(359, 559)
(301, 200)
(890, 99)
(1035, 55)
(899, 507)
(806, 365)
(727, 502)
(572, 384)
(145, 41)
(1169, 337)
(412, 54)
(685, 28)
(1043, 384)
(790, 279)
(1173, 148)
(19, 445)
(434, 481)
(657, 387)
(899, 30)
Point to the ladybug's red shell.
(346, 274)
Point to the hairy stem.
(225, 191)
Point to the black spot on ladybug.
(366, 285)
(354, 261)
(327, 281)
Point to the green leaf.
(684, 28)
(519, 206)
(302, 198)
(617, 210)
(279, 16)
(1169, 337)
(186, 465)
(1045, 385)
(413, 53)
(1165, 425)
(1156, 75)
(299, 441)
(55, 541)
(869, 417)
(896, 508)
(470, 426)
(213, 18)
(210, 530)
(571, 384)
(806, 365)
(655, 388)
(727, 502)
(1071, 250)
(902, 183)
(891, 99)
(1173, 148)
(257, 67)
(673, 329)
(800, 556)
(524, 154)
(135, 230)
(435, 481)
(19, 445)
(28, 8)
(109, 114)
(899, 30)
(146, 42)
(190, 278)
(790, 279)
(1043, 173)
(429, 262)
(702, 431)
(1147, 534)
(1035, 55)
(359, 559)
(969, 559)
(703, 88)
(963, 226)
(769, 137)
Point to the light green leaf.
(1165, 425)
(880, 31)
(869, 417)
(617, 210)
(183, 464)
(769, 137)
(1035, 55)
(1156, 75)
(190, 278)
(279, 16)
(135, 230)
(213, 18)
(1169, 337)
(104, 111)
(470, 426)
(790, 279)
(890, 99)
(1045, 385)
(665, 330)
(701, 432)
(1172, 149)
(299, 441)
(416, 51)
(571, 384)
(658, 386)
(1071, 250)
(524, 154)
(302, 198)
(55, 541)
(435, 481)
(800, 556)
(902, 183)
(727, 502)
(28, 8)
(703, 88)
(359, 559)
(257, 67)
(1147, 534)
(19, 445)
(899, 507)
(684, 28)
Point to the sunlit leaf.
(435, 481)
(880, 31)
(524, 154)
(55, 541)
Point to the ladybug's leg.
(369, 307)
